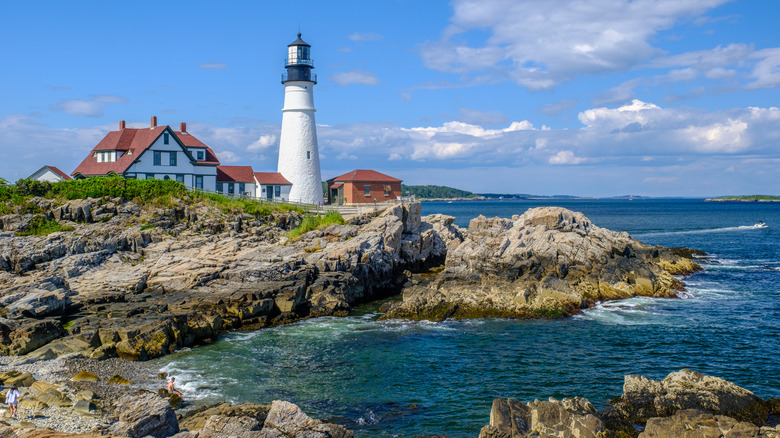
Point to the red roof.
(62, 174)
(133, 142)
(271, 178)
(364, 175)
(235, 173)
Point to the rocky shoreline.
(132, 284)
(56, 402)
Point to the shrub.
(41, 227)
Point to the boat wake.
(703, 231)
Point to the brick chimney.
(154, 121)
(183, 128)
(121, 125)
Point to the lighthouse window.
(308, 155)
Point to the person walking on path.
(172, 389)
(12, 399)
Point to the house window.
(241, 188)
(180, 178)
(201, 155)
(157, 158)
(106, 156)
(277, 191)
(165, 138)
(149, 176)
(231, 188)
(173, 158)
(367, 190)
(387, 190)
(198, 182)
(219, 187)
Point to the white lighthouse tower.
(299, 158)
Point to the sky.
(589, 98)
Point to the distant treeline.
(429, 192)
(746, 198)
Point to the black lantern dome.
(299, 62)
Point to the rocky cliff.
(547, 262)
(139, 283)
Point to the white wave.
(704, 231)
(631, 311)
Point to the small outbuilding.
(50, 173)
(272, 186)
(363, 186)
(236, 180)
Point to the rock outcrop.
(144, 414)
(567, 418)
(139, 283)
(692, 423)
(548, 262)
(686, 404)
(683, 390)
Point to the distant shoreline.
(744, 199)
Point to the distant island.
(750, 198)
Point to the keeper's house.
(156, 152)
(49, 173)
(363, 186)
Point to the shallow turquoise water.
(399, 378)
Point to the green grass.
(146, 192)
(239, 205)
(41, 227)
(315, 222)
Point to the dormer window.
(105, 156)
(201, 155)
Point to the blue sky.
(596, 98)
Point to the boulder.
(644, 398)
(17, 378)
(567, 418)
(240, 427)
(289, 421)
(84, 407)
(84, 376)
(692, 423)
(196, 419)
(144, 414)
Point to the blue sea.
(405, 379)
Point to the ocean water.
(404, 379)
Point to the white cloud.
(227, 157)
(92, 107)
(541, 44)
(565, 157)
(355, 77)
(262, 143)
(213, 65)
(727, 137)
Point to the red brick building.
(363, 186)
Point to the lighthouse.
(299, 158)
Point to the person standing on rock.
(172, 389)
(12, 399)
